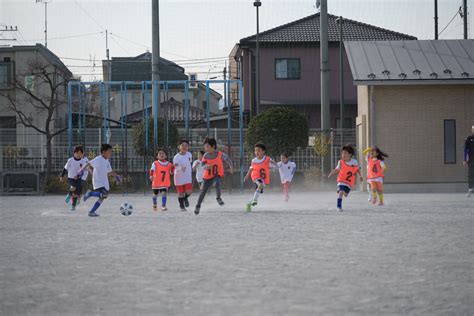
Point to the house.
(415, 101)
(139, 69)
(19, 67)
(290, 67)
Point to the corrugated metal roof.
(306, 30)
(411, 62)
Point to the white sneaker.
(339, 209)
(468, 194)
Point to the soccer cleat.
(186, 202)
(380, 203)
(248, 208)
(374, 201)
(93, 214)
(340, 209)
(155, 208)
(253, 203)
(87, 195)
(183, 209)
(78, 201)
(468, 194)
(219, 201)
(72, 208)
(68, 198)
(197, 209)
(164, 208)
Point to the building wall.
(409, 126)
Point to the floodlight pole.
(325, 105)
(465, 18)
(257, 4)
(436, 19)
(155, 74)
(341, 78)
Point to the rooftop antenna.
(45, 20)
(317, 4)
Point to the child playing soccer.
(287, 170)
(183, 174)
(375, 172)
(347, 168)
(198, 167)
(101, 170)
(259, 171)
(213, 161)
(160, 177)
(74, 179)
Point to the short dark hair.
(349, 149)
(284, 155)
(105, 147)
(261, 146)
(202, 152)
(211, 141)
(161, 149)
(183, 141)
(78, 148)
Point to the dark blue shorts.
(343, 188)
(76, 184)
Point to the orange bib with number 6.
(261, 170)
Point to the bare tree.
(47, 96)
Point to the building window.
(6, 75)
(449, 141)
(287, 68)
(204, 105)
(8, 127)
(347, 123)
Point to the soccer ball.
(126, 209)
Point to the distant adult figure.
(469, 161)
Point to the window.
(6, 75)
(204, 104)
(347, 123)
(8, 127)
(287, 68)
(449, 141)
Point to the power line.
(64, 37)
(459, 11)
(89, 15)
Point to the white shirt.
(352, 162)
(183, 172)
(73, 166)
(287, 170)
(100, 174)
(199, 170)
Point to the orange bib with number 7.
(347, 174)
(261, 170)
(161, 175)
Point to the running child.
(101, 169)
(259, 172)
(160, 177)
(183, 174)
(74, 179)
(287, 170)
(213, 161)
(375, 172)
(198, 167)
(347, 168)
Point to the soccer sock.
(74, 201)
(181, 202)
(339, 203)
(95, 207)
(256, 195)
(154, 199)
(381, 197)
(374, 195)
(163, 200)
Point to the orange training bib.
(216, 169)
(261, 170)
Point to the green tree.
(282, 130)
(139, 136)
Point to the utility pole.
(464, 10)
(341, 78)
(325, 105)
(436, 19)
(11, 29)
(257, 4)
(155, 71)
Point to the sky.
(196, 29)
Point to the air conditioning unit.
(193, 81)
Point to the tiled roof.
(306, 30)
(411, 62)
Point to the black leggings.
(206, 185)
(470, 175)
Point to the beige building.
(415, 102)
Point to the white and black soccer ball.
(126, 209)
